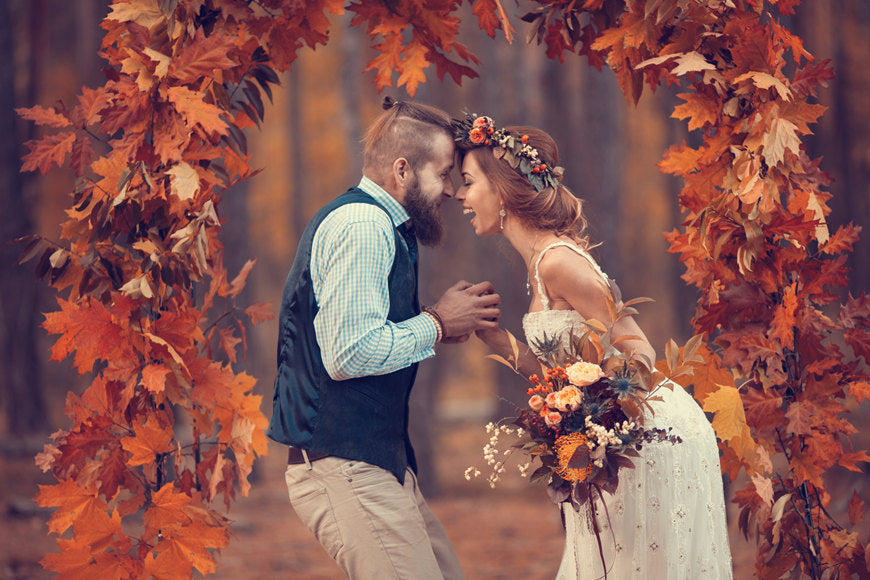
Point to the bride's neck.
(527, 241)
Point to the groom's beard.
(425, 215)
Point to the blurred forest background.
(308, 150)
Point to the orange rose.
(569, 398)
(551, 400)
(582, 374)
(482, 122)
(536, 403)
(553, 419)
(476, 135)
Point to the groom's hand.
(466, 308)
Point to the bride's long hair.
(551, 209)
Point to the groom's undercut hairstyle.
(403, 130)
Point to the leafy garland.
(156, 144)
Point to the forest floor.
(507, 533)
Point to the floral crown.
(480, 131)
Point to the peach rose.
(536, 402)
(482, 122)
(477, 135)
(551, 400)
(582, 374)
(569, 398)
(553, 419)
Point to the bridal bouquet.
(583, 421)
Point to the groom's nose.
(449, 189)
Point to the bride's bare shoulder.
(564, 266)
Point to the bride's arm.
(497, 339)
(569, 276)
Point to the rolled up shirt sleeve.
(351, 258)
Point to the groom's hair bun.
(404, 129)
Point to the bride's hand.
(488, 335)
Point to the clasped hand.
(465, 308)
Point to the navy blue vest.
(364, 418)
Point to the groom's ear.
(401, 171)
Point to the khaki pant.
(374, 527)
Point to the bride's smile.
(479, 199)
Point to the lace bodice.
(667, 517)
(554, 323)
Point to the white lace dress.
(668, 514)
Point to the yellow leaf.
(144, 12)
(161, 59)
(729, 420)
(781, 136)
(692, 62)
(184, 180)
(764, 80)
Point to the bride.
(667, 517)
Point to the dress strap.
(545, 300)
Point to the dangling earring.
(501, 214)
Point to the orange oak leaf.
(850, 460)
(386, 61)
(843, 240)
(196, 111)
(201, 56)
(782, 327)
(806, 468)
(47, 151)
(44, 116)
(800, 418)
(707, 376)
(90, 103)
(148, 440)
(699, 109)
(154, 377)
(487, 16)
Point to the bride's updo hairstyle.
(553, 208)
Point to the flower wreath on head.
(480, 131)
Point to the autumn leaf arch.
(150, 314)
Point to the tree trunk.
(21, 394)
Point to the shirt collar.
(391, 204)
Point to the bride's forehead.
(470, 164)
